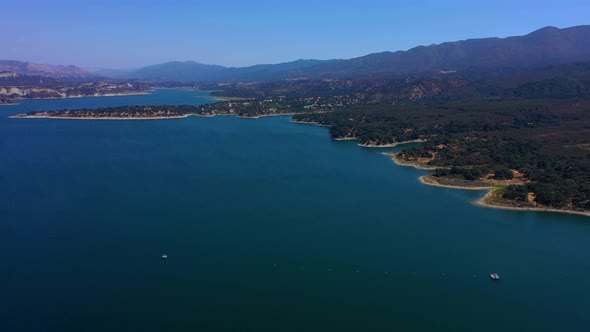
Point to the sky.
(130, 34)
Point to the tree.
(503, 174)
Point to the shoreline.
(146, 117)
(483, 202)
(100, 118)
(392, 145)
(424, 180)
(404, 163)
(310, 123)
(222, 98)
(262, 115)
(92, 96)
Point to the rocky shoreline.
(490, 200)
(395, 157)
(390, 145)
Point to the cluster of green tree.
(474, 173)
(4, 100)
(402, 122)
(558, 195)
(256, 107)
(560, 81)
(249, 108)
(466, 173)
(118, 112)
(368, 91)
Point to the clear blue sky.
(125, 34)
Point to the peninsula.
(243, 108)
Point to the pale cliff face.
(75, 90)
(8, 75)
(44, 70)
(14, 92)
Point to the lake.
(269, 225)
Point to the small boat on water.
(164, 256)
(495, 276)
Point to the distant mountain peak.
(545, 30)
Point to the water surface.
(269, 226)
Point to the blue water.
(269, 226)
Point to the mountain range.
(544, 47)
(29, 68)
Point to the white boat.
(495, 276)
(164, 256)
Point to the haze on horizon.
(128, 34)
